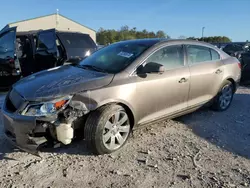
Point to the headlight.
(46, 108)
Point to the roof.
(51, 15)
(162, 41)
(146, 41)
(20, 33)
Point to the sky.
(176, 18)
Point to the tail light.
(12, 60)
(239, 64)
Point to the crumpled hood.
(59, 82)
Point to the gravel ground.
(203, 149)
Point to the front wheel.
(224, 98)
(107, 129)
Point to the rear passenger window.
(215, 55)
(171, 57)
(76, 40)
(198, 54)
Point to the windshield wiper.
(92, 67)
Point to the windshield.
(116, 57)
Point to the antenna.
(57, 17)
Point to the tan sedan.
(120, 86)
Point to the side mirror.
(151, 67)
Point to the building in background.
(57, 21)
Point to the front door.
(206, 74)
(9, 68)
(163, 94)
(46, 50)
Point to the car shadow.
(77, 147)
(229, 130)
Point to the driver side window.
(170, 57)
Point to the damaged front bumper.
(30, 132)
(23, 131)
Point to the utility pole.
(57, 17)
(202, 32)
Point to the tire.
(228, 88)
(107, 129)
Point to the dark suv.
(24, 53)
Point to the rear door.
(46, 50)
(206, 73)
(7, 51)
(77, 45)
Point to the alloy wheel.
(226, 96)
(116, 130)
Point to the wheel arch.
(128, 108)
(233, 82)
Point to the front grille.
(9, 105)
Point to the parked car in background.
(219, 45)
(107, 94)
(24, 53)
(233, 47)
(240, 50)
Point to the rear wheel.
(224, 98)
(107, 129)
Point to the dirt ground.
(203, 149)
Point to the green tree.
(160, 34)
(212, 39)
(105, 37)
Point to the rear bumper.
(19, 130)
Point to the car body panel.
(17, 128)
(167, 94)
(60, 81)
(232, 70)
(204, 82)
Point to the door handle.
(218, 71)
(183, 80)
